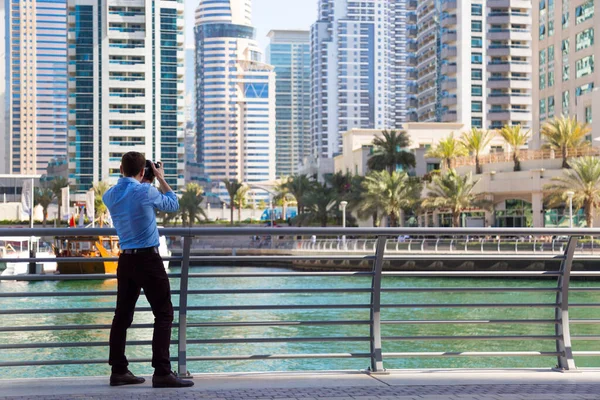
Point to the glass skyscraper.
(289, 53)
(37, 84)
(235, 97)
(126, 87)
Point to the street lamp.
(570, 195)
(343, 205)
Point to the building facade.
(126, 89)
(4, 64)
(358, 52)
(473, 62)
(235, 96)
(289, 53)
(37, 84)
(567, 80)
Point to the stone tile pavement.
(403, 385)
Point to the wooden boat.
(93, 247)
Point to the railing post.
(183, 300)
(566, 362)
(375, 319)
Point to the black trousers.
(135, 272)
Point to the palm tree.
(240, 200)
(190, 202)
(321, 202)
(388, 152)
(232, 186)
(475, 141)
(56, 185)
(565, 133)
(516, 138)
(99, 207)
(447, 150)
(43, 197)
(454, 192)
(583, 179)
(298, 186)
(389, 193)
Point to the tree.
(564, 134)
(583, 179)
(321, 201)
(475, 141)
(56, 185)
(454, 192)
(43, 197)
(240, 200)
(388, 152)
(99, 207)
(298, 186)
(190, 202)
(447, 150)
(389, 193)
(516, 138)
(232, 186)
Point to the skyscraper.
(565, 48)
(37, 73)
(235, 95)
(358, 52)
(289, 53)
(126, 88)
(4, 128)
(473, 62)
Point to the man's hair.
(133, 163)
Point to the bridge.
(373, 344)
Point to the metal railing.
(378, 254)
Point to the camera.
(148, 171)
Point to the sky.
(266, 15)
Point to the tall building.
(126, 88)
(289, 53)
(359, 67)
(4, 128)
(567, 80)
(235, 96)
(37, 84)
(474, 62)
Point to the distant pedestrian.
(132, 206)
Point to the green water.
(301, 331)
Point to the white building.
(358, 52)
(4, 136)
(126, 89)
(235, 97)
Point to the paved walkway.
(404, 385)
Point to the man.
(132, 206)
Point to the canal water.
(329, 331)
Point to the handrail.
(374, 249)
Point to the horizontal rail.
(474, 354)
(468, 321)
(482, 337)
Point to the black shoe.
(170, 381)
(125, 379)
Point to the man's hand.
(159, 173)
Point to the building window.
(542, 81)
(565, 20)
(584, 39)
(542, 57)
(550, 7)
(542, 107)
(476, 122)
(566, 72)
(476, 26)
(476, 106)
(476, 58)
(542, 31)
(584, 89)
(588, 115)
(550, 79)
(476, 74)
(550, 106)
(551, 54)
(584, 12)
(476, 42)
(550, 28)
(476, 10)
(565, 46)
(565, 102)
(433, 167)
(476, 90)
(584, 66)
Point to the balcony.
(412, 103)
(412, 19)
(509, 18)
(449, 101)
(449, 116)
(509, 34)
(509, 66)
(449, 84)
(524, 4)
(509, 83)
(448, 21)
(509, 50)
(448, 5)
(449, 52)
(449, 69)
(509, 115)
(509, 99)
(449, 37)
(411, 74)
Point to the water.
(301, 331)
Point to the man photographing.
(132, 205)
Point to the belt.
(141, 251)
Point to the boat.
(18, 247)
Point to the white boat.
(18, 247)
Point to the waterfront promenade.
(405, 385)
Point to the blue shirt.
(132, 208)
